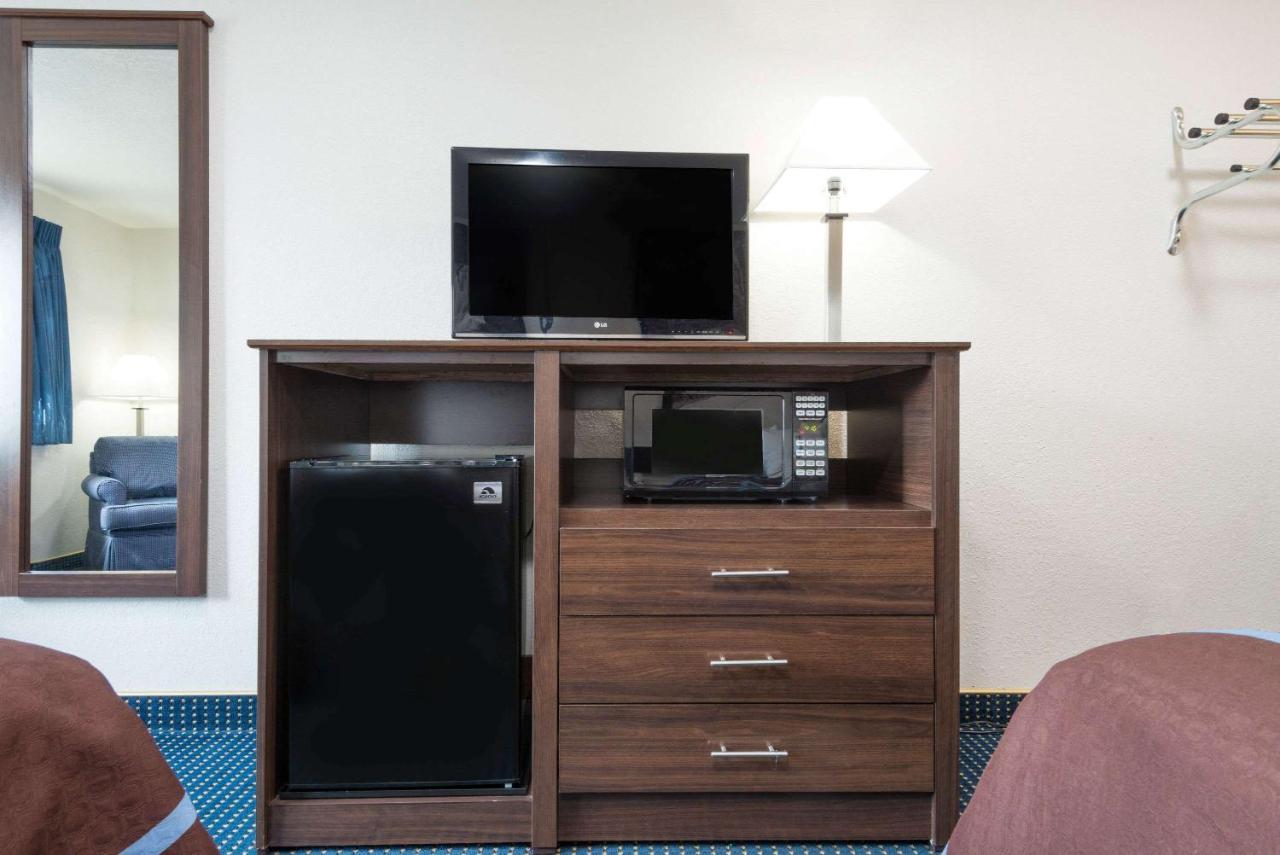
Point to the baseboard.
(994, 707)
(240, 711)
(196, 712)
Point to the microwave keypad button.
(821, 472)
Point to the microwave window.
(712, 442)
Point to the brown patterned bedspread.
(79, 772)
(1168, 743)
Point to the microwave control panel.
(809, 432)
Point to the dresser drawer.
(746, 748)
(746, 659)
(746, 571)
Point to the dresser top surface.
(607, 346)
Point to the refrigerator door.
(402, 627)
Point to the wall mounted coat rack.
(1264, 113)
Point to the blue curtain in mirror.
(50, 343)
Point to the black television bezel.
(467, 325)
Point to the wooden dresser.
(710, 671)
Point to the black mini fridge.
(401, 626)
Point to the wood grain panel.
(193, 306)
(585, 511)
(97, 583)
(744, 816)
(434, 365)
(271, 520)
(548, 398)
(666, 748)
(889, 448)
(15, 296)
(946, 633)
(118, 14)
(668, 660)
(668, 571)
(301, 414)
(98, 31)
(399, 821)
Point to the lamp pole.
(834, 218)
(139, 417)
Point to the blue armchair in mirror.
(133, 503)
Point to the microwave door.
(707, 441)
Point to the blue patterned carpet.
(209, 742)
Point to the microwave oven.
(725, 443)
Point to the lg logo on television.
(600, 325)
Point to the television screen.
(599, 244)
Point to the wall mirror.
(105, 187)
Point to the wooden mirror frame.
(188, 33)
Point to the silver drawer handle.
(770, 753)
(746, 663)
(722, 573)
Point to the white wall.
(1121, 418)
(122, 297)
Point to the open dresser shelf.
(593, 500)
(633, 736)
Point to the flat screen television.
(599, 244)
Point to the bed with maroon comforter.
(79, 772)
(1169, 743)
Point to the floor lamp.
(848, 160)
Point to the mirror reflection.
(104, 392)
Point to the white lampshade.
(137, 376)
(845, 138)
